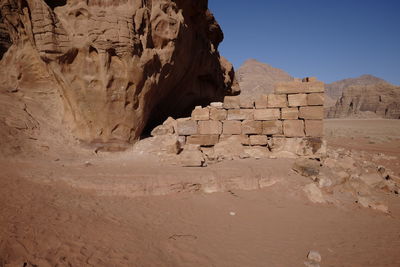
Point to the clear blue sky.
(330, 39)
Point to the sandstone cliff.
(115, 67)
(368, 101)
(256, 78)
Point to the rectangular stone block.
(312, 113)
(267, 114)
(218, 105)
(202, 140)
(314, 128)
(290, 113)
(232, 127)
(315, 99)
(261, 102)
(277, 101)
(246, 102)
(240, 114)
(297, 100)
(210, 127)
(218, 114)
(258, 140)
(293, 128)
(243, 139)
(201, 114)
(186, 127)
(296, 87)
(272, 127)
(251, 127)
(232, 102)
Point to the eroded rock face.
(368, 101)
(120, 65)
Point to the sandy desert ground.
(130, 210)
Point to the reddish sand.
(60, 212)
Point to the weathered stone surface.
(311, 113)
(366, 97)
(217, 114)
(272, 127)
(258, 140)
(313, 193)
(307, 167)
(293, 128)
(297, 100)
(314, 128)
(277, 101)
(246, 102)
(240, 114)
(122, 66)
(203, 140)
(218, 105)
(243, 139)
(267, 114)
(210, 127)
(296, 87)
(232, 102)
(251, 127)
(201, 114)
(186, 127)
(315, 99)
(191, 158)
(290, 113)
(261, 102)
(168, 127)
(232, 127)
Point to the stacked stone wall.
(295, 110)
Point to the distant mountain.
(364, 97)
(335, 89)
(256, 78)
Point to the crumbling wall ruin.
(288, 122)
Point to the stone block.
(293, 128)
(277, 101)
(267, 114)
(232, 102)
(186, 127)
(218, 105)
(201, 114)
(295, 87)
(312, 113)
(297, 100)
(240, 114)
(202, 140)
(314, 128)
(258, 140)
(251, 127)
(243, 139)
(290, 113)
(210, 127)
(261, 102)
(315, 99)
(218, 114)
(272, 127)
(246, 102)
(232, 127)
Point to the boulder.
(313, 193)
(307, 167)
(119, 67)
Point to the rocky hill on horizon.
(256, 78)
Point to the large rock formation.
(118, 66)
(256, 78)
(365, 97)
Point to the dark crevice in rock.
(55, 3)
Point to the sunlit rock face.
(120, 66)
